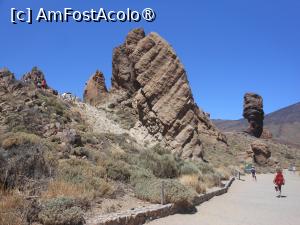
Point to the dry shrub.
(84, 175)
(61, 211)
(19, 138)
(224, 173)
(12, 208)
(175, 192)
(60, 188)
(211, 180)
(193, 182)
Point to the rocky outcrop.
(95, 89)
(261, 152)
(149, 70)
(266, 134)
(34, 76)
(6, 76)
(254, 113)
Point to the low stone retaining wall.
(143, 215)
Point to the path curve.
(247, 203)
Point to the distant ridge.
(284, 124)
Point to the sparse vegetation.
(193, 181)
(12, 208)
(61, 211)
(180, 195)
(19, 138)
(86, 175)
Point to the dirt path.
(247, 203)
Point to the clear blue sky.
(228, 47)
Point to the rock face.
(254, 113)
(261, 152)
(149, 70)
(33, 76)
(95, 89)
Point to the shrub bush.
(162, 166)
(193, 182)
(19, 138)
(139, 175)
(180, 195)
(188, 168)
(205, 167)
(12, 208)
(61, 211)
(83, 172)
(117, 170)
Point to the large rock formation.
(95, 89)
(261, 152)
(149, 71)
(254, 113)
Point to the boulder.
(254, 113)
(71, 137)
(95, 89)
(266, 134)
(261, 152)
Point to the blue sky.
(228, 47)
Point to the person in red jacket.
(279, 181)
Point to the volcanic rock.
(266, 134)
(33, 76)
(149, 70)
(6, 76)
(261, 152)
(95, 89)
(254, 113)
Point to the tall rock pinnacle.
(95, 89)
(254, 113)
(148, 72)
(149, 68)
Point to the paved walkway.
(247, 203)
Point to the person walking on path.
(294, 168)
(279, 181)
(253, 172)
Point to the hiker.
(253, 172)
(35, 81)
(39, 84)
(44, 84)
(294, 169)
(278, 181)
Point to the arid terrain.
(63, 159)
(284, 124)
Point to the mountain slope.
(284, 124)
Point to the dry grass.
(224, 173)
(19, 138)
(84, 175)
(12, 207)
(193, 182)
(60, 188)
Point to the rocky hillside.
(284, 124)
(149, 73)
(63, 160)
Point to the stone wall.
(146, 214)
